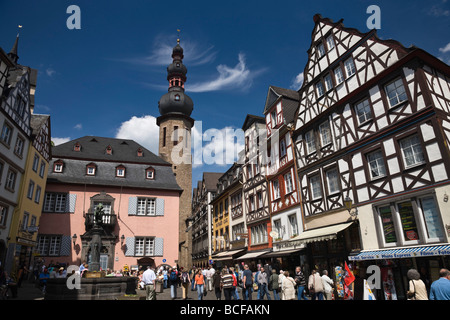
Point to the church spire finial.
(13, 53)
(178, 39)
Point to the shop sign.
(399, 255)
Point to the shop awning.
(399, 253)
(250, 255)
(227, 255)
(321, 234)
(280, 253)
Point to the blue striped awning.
(399, 253)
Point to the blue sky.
(107, 78)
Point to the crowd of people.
(235, 283)
(231, 283)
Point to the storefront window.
(432, 218)
(409, 226)
(388, 224)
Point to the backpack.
(184, 277)
(173, 276)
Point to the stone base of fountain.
(93, 288)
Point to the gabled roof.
(276, 92)
(210, 179)
(316, 34)
(290, 101)
(37, 121)
(93, 148)
(250, 119)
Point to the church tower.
(175, 123)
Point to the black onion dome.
(177, 50)
(176, 68)
(176, 102)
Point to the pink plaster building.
(139, 195)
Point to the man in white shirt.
(209, 277)
(149, 277)
(327, 285)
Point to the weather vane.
(19, 27)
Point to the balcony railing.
(108, 220)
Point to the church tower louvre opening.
(175, 124)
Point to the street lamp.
(348, 202)
(74, 239)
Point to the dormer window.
(58, 166)
(140, 152)
(91, 168)
(150, 173)
(77, 147)
(120, 171)
(109, 150)
(177, 96)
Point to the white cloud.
(438, 10)
(58, 141)
(445, 49)
(50, 72)
(161, 54)
(143, 130)
(78, 126)
(297, 82)
(228, 78)
(214, 146)
(221, 146)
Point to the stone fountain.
(93, 285)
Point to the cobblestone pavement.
(28, 291)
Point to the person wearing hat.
(60, 273)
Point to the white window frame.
(146, 206)
(375, 161)
(55, 202)
(30, 189)
(330, 42)
(328, 82)
(399, 90)
(144, 247)
(339, 75)
(350, 68)
(293, 225)
(363, 111)
(58, 167)
(276, 189)
(120, 172)
(288, 183)
(413, 144)
(320, 90)
(325, 133)
(310, 141)
(316, 187)
(333, 181)
(320, 50)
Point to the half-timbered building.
(285, 211)
(202, 218)
(17, 85)
(372, 132)
(228, 218)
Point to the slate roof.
(250, 119)
(290, 99)
(37, 121)
(211, 179)
(93, 150)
